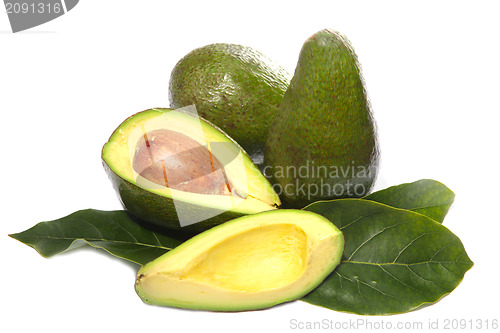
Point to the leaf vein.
(395, 278)
(375, 235)
(439, 250)
(121, 227)
(104, 240)
(410, 243)
(356, 220)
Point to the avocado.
(322, 143)
(235, 87)
(249, 263)
(176, 170)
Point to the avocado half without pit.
(249, 263)
(174, 169)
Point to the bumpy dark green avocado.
(322, 143)
(235, 87)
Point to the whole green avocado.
(233, 86)
(322, 143)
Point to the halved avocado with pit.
(177, 170)
(249, 263)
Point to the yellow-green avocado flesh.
(249, 263)
(163, 206)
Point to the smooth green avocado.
(177, 170)
(322, 143)
(251, 262)
(235, 87)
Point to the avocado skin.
(159, 210)
(324, 119)
(233, 86)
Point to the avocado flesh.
(233, 86)
(322, 143)
(159, 204)
(251, 262)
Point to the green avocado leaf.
(426, 196)
(394, 260)
(113, 231)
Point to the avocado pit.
(174, 160)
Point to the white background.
(431, 70)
